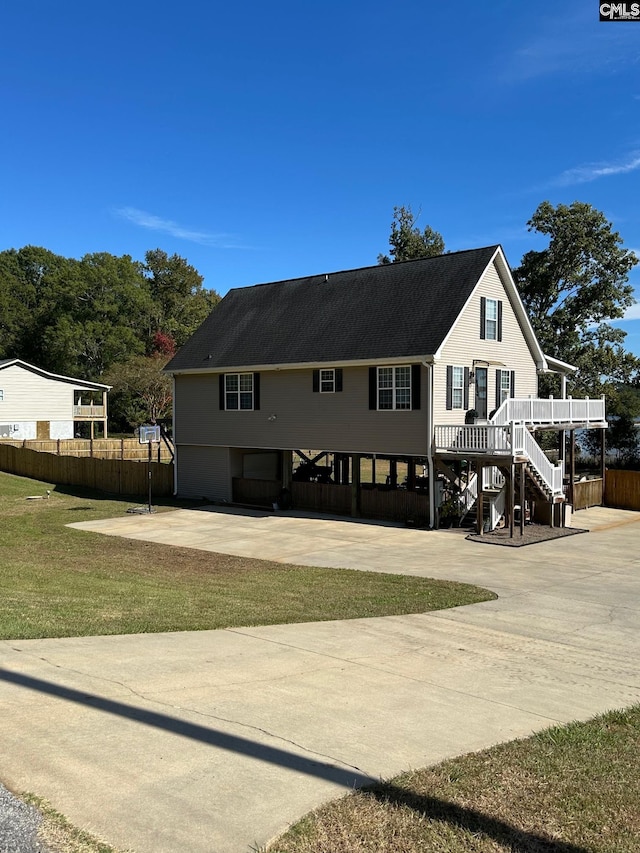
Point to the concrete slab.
(216, 740)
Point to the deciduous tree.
(574, 287)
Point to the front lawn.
(57, 582)
(571, 789)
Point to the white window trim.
(394, 388)
(491, 320)
(328, 379)
(505, 393)
(455, 387)
(238, 393)
(1, 395)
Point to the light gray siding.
(203, 472)
(293, 416)
(464, 345)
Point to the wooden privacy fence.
(97, 448)
(622, 489)
(395, 505)
(121, 477)
(588, 493)
(322, 497)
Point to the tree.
(179, 302)
(408, 242)
(79, 317)
(141, 392)
(573, 288)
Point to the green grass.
(572, 789)
(57, 582)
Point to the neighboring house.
(383, 361)
(36, 404)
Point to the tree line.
(103, 318)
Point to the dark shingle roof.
(389, 311)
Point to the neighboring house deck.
(386, 362)
(37, 404)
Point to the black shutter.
(513, 383)
(221, 392)
(415, 386)
(373, 388)
(498, 383)
(338, 379)
(449, 387)
(256, 391)
(500, 320)
(466, 388)
(316, 381)
(483, 317)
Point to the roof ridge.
(493, 246)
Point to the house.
(36, 404)
(385, 362)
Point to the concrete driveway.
(216, 740)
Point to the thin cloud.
(167, 226)
(572, 44)
(594, 171)
(632, 313)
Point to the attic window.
(327, 380)
(490, 319)
(1, 395)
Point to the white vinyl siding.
(28, 396)
(464, 346)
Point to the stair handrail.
(524, 443)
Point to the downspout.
(430, 436)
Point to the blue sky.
(267, 141)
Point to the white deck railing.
(473, 438)
(509, 440)
(538, 411)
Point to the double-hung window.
(327, 381)
(490, 319)
(505, 386)
(238, 391)
(457, 387)
(394, 387)
(1, 395)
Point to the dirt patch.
(533, 533)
